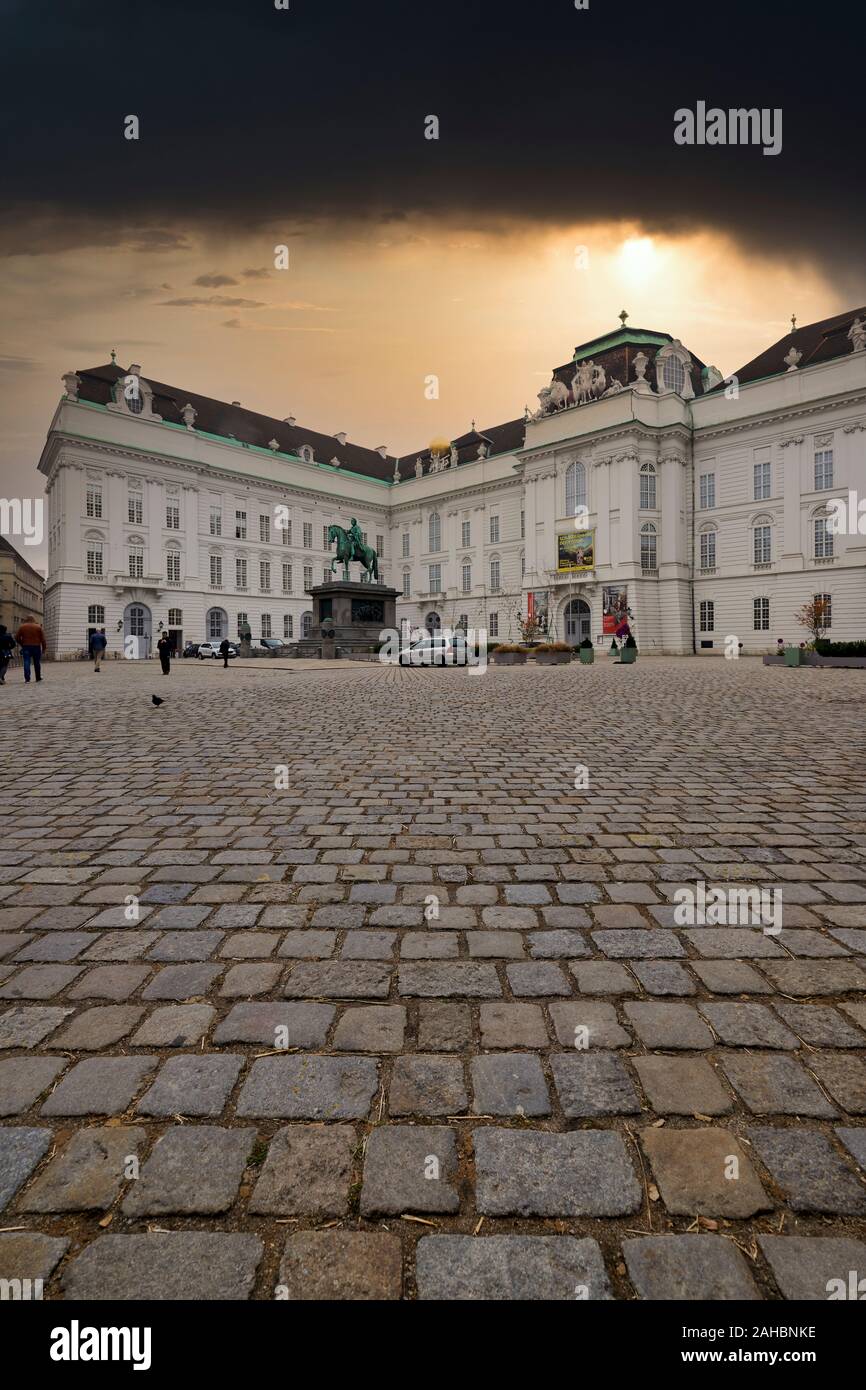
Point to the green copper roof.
(636, 336)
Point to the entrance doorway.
(137, 625)
(578, 621)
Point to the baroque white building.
(645, 483)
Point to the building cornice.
(790, 415)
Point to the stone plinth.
(349, 616)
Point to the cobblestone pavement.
(420, 1023)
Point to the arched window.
(95, 555)
(648, 547)
(305, 452)
(648, 494)
(407, 583)
(306, 624)
(172, 564)
(575, 488)
(434, 532)
(674, 374)
(762, 540)
(673, 366)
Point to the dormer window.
(673, 366)
(674, 374)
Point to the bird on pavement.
(156, 700)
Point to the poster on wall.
(537, 609)
(614, 608)
(575, 550)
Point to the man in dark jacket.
(31, 640)
(164, 647)
(7, 647)
(98, 643)
(225, 648)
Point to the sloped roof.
(7, 548)
(818, 342)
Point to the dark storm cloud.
(211, 301)
(250, 116)
(214, 281)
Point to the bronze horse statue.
(351, 548)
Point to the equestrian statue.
(351, 546)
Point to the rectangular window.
(172, 516)
(265, 575)
(708, 491)
(823, 469)
(216, 521)
(136, 563)
(762, 481)
(240, 526)
(494, 574)
(826, 603)
(94, 500)
(308, 576)
(240, 574)
(493, 624)
(648, 488)
(405, 545)
(523, 525)
(287, 579)
(308, 535)
(326, 544)
(242, 619)
(135, 509)
(326, 574)
(648, 550)
(466, 533)
(172, 566)
(708, 615)
(708, 550)
(380, 547)
(762, 545)
(216, 571)
(435, 578)
(266, 625)
(467, 579)
(823, 539)
(287, 625)
(761, 614)
(494, 530)
(94, 557)
(286, 529)
(407, 584)
(264, 528)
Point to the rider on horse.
(355, 535)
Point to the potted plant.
(586, 652)
(508, 654)
(793, 655)
(553, 654)
(614, 648)
(629, 651)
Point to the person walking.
(164, 647)
(7, 647)
(225, 648)
(31, 640)
(98, 643)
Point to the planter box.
(509, 658)
(586, 655)
(552, 658)
(628, 655)
(793, 656)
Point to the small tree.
(813, 616)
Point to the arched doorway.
(578, 621)
(433, 622)
(137, 627)
(216, 624)
(306, 624)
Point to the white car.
(437, 649)
(206, 649)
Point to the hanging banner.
(614, 607)
(537, 607)
(575, 550)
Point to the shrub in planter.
(824, 647)
(586, 652)
(507, 654)
(629, 651)
(553, 654)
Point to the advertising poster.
(575, 550)
(537, 608)
(614, 608)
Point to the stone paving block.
(809, 1268)
(512, 1025)
(688, 1268)
(181, 982)
(89, 1172)
(165, 1265)
(810, 943)
(806, 978)
(695, 1175)
(509, 1083)
(682, 1086)
(99, 1086)
(307, 1172)
(309, 1088)
(634, 944)
(428, 945)
(538, 979)
(855, 1142)
(509, 918)
(338, 980)
(30, 1255)
(174, 1025)
(587, 1023)
(456, 979)
(120, 946)
(185, 945)
(444, 1027)
(192, 1169)
(857, 1012)
(24, 1079)
(771, 1083)
(351, 1266)
(819, 1025)
(250, 945)
(20, 1151)
(557, 945)
(369, 945)
(603, 977)
(668, 1025)
(664, 977)
(250, 978)
(59, 946)
(39, 982)
(308, 945)
(554, 1268)
(525, 1173)
(99, 1027)
(495, 945)
(809, 1171)
(427, 1085)
(730, 977)
(733, 943)
(115, 982)
(409, 1168)
(748, 1025)
(376, 1028)
(192, 1085)
(593, 1083)
(286, 1025)
(843, 1077)
(170, 918)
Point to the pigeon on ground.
(156, 700)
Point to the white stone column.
(191, 523)
(68, 499)
(792, 537)
(115, 510)
(671, 478)
(530, 538)
(599, 499)
(154, 517)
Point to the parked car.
(191, 648)
(437, 649)
(273, 644)
(213, 649)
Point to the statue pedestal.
(350, 617)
